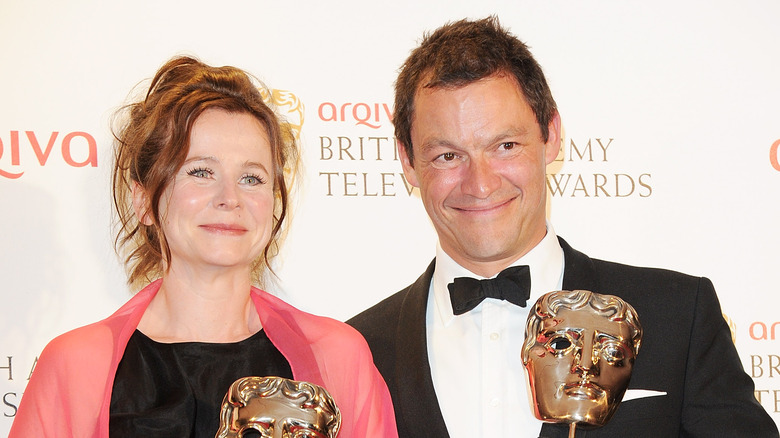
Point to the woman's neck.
(202, 306)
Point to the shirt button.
(495, 402)
(494, 336)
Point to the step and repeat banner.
(670, 156)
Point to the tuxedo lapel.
(420, 413)
(578, 272)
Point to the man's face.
(479, 162)
(579, 367)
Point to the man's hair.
(460, 53)
(610, 306)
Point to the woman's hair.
(151, 144)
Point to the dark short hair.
(463, 52)
(152, 139)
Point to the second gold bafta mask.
(579, 352)
(275, 407)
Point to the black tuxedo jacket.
(686, 352)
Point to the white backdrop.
(683, 96)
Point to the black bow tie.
(512, 284)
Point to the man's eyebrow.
(436, 143)
(512, 132)
(441, 142)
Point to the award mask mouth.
(584, 391)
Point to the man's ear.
(406, 163)
(553, 145)
(141, 204)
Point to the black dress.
(176, 390)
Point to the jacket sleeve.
(719, 395)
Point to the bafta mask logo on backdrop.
(76, 149)
(579, 352)
(275, 407)
(288, 106)
(291, 112)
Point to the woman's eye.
(252, 180)
(200, 173)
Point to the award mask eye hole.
(559, 345)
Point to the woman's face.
(218, 210)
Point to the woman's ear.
(141, 204)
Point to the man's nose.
(481, 179)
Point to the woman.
(200, 189)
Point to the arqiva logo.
(366, 114)
(77, 149)
(774, 155)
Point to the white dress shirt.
(477, 370)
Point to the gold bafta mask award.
(275, 407)
(579, 352)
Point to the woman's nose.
(227, 196)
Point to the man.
(476, 126)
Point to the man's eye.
(508, 145)
(448, 156)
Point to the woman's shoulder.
(314, 327)
(85, 351)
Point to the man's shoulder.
(381, 314)
(386, 313)
(608, 271)
(615, 272)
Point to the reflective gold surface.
(276, 407)
(579, 352)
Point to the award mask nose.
(586, 359)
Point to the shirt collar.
(545, 262)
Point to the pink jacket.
(70, 390)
